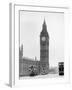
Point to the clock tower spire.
(44, 50)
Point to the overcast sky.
(30, 28)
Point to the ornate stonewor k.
(44, 50)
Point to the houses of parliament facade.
(40, 67)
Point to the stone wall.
(25, 67)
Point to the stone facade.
(44, 50)
(25, 65)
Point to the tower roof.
(44, 29)
(44, 23)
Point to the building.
(44, 50)
(25, 66)
(28, 65)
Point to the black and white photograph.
(36, 44)
(41, 44)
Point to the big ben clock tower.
(44, 50)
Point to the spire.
(44, 22)
(21, 51)
(44, 29)
(44, 26)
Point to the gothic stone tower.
(44, 50)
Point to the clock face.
(43, 38)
